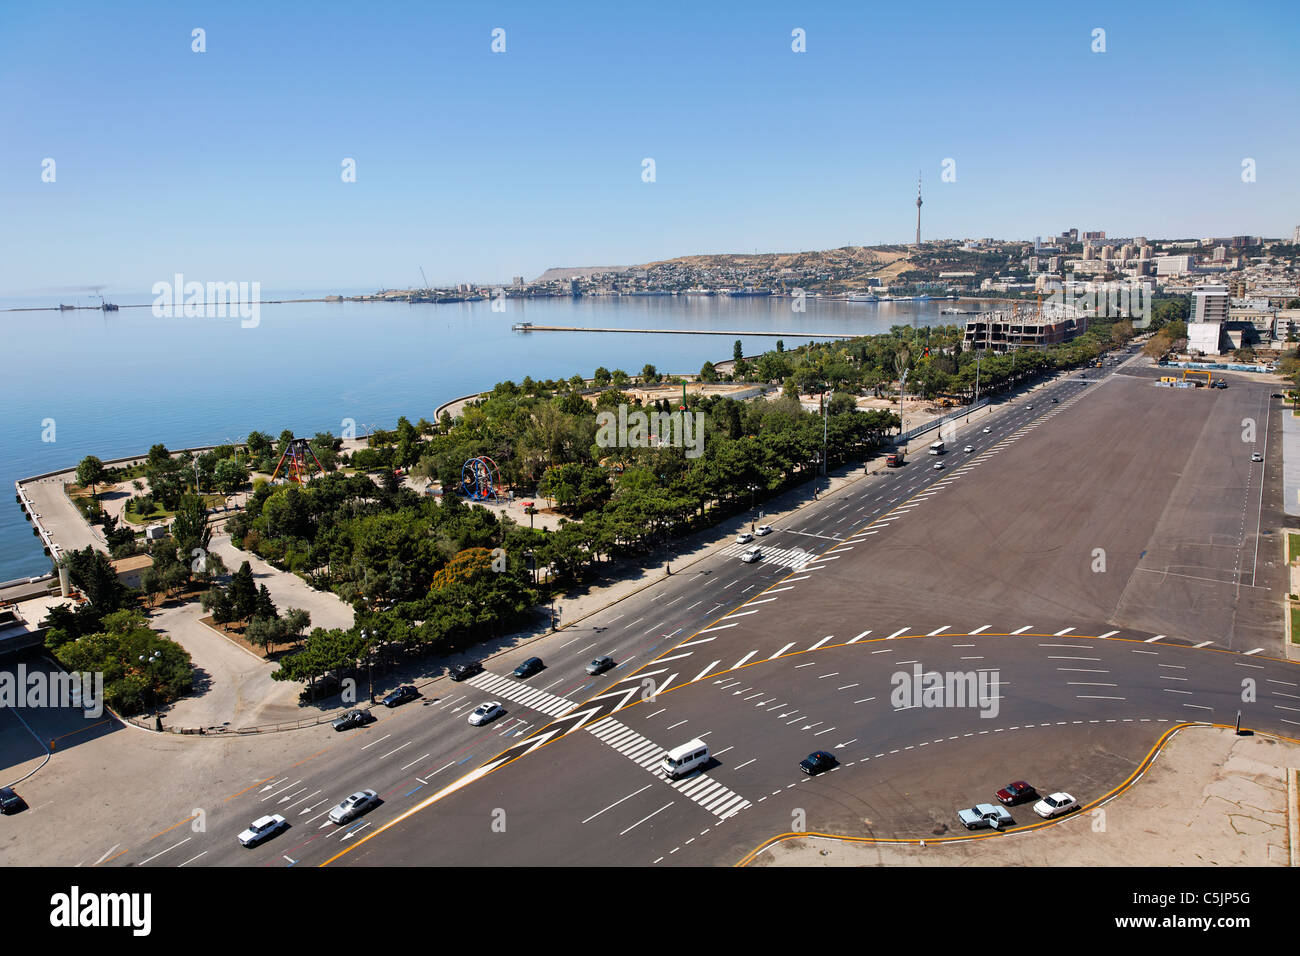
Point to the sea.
(111, 384)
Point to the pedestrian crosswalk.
(783, 557)
(700, 787)
(499, 686)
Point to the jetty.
(529, 327)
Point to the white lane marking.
(1255, 651)
(720, 627)
(1152, 640)
(1203, 644)
(901, 630)
(743, 659)
(938, 630)
(168, 850)
(703, 640)
(1021, 630)
(704, 673)
(1108, 634)
(859, 637)
(821, 642)
(782, 651)
(645, 818)
(1063, 632)
(979, 629)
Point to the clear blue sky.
(480, 166)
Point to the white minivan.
(680, 761)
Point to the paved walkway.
(59, 515)
(287, 590)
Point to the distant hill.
(562, 274)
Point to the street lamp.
(147, 663)
(370, 680)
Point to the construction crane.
(425, 278)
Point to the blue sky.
(480, 166)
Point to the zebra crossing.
(701, 788)
(499, 686)
(782, 557)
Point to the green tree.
(737, 353)
(90, 472)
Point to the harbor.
(530, 327)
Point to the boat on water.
(66, 308)
(748, 292)
(109, 307)
(862, 297)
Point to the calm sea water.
(115, 383)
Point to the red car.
(1018, 792)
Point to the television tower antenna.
(918, 208)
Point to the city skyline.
(478, 165)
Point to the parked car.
(1256, 457)
(529, 667)
(968, 449)
(464, 671)
(354, 806)
(600, 665)
(1017, 792)
(263, 828)
(744, 537)
(353, 718)
(819, 761)
(10, 802)
(1055, 805)
(400, 696)
(985, 816)
(486, 713)
(752, 555)
(763, 529)
(325, 686)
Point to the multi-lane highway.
(1103, 554)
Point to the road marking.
(859, 637)
(938, 630)
(1108, 634)
(1022, 630)
(720, 627)
(168, 850)
(782, 651)
(1203, 644)
(979, 629)
(703, 640)
(704, 673)
(411, 764)
(645, 818)
(742, 660)
(1152, 640)
(901, 630)
(1062, 633)
(1255, 651)
(821, 642)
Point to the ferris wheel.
(480, 479)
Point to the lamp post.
(370, 680)
(147, 664)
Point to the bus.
(936, 448)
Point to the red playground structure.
(299, 459)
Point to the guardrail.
(934, 423)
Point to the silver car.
(486, 712)
(985, 816)
(354, 806)
(263, 828)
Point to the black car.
(10, 802)
(353, 718)
(401, 696)
(817, 762)
(464, 671)
(529, 667)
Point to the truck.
(936, 448)
(895, 459)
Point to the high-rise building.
(1209, 304)
(1088, 251)
(1107, 252)
(1140, 241)
(1054, 264)
(1094, 235)
(1126, 251)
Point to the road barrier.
(934, 423)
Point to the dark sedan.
(401, 696)
(529, 667)
(10, 802)
(818, 762)
(353, 718)
(464, 671)
(1018, 792)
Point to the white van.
(680, 761)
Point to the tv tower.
(918, 207)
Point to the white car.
(486, 712)
(744, 537)
(763, 529)
(354, 806)
(987, 430)
(968, 449)
(752, 555)
(938, 466)
(1055, 804)
(1256, 457)
(263, 828)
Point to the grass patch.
(1295, 623)
(1292, 546)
